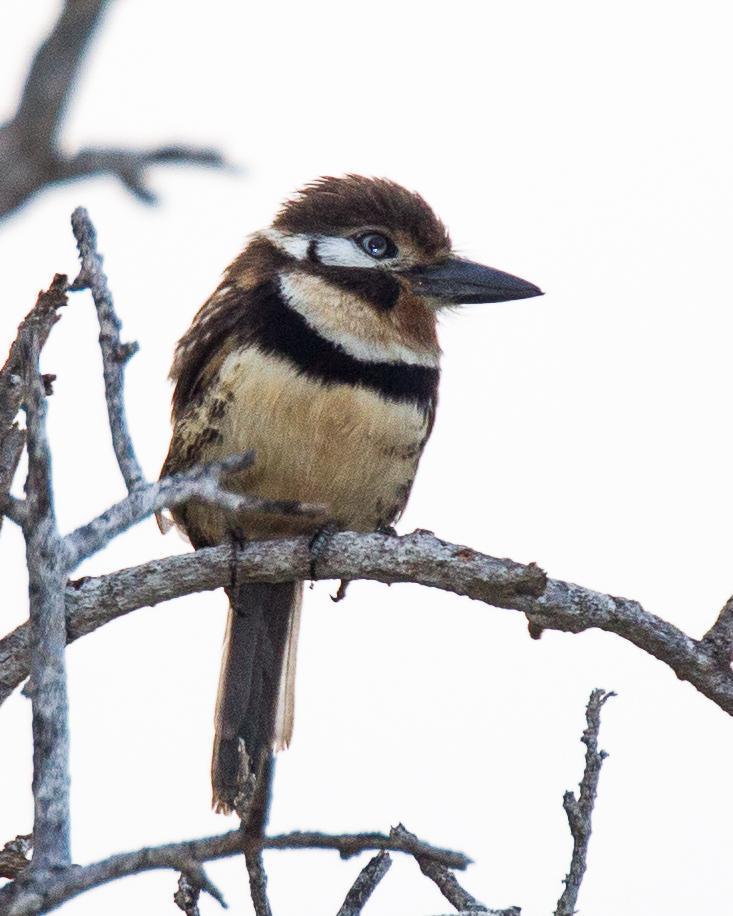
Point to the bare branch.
(719, 638)
(186, 898)
(580, 810)
(420, 558)
(509, 911)
(205, 482)
(11, 448)
(15, 509)
(443, 878)
(114, 353)
(257, 881)
(46, 558)
(365, 885)
(39, 321)
(53, 890)
(53, 72)
(29, 155)
(131, 166)
(194, 876)
(14, 856)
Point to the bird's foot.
(237, 540)
(387, 530)
(318, 544)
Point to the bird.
(319, 351)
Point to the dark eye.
(377, 245)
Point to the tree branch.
(38, 322)
(51, 891)
(444, 879)
(719, 638)
(205, 483)
(29, 155)
(580, 810)
(115, 354)
(257, 882)
(186, 898)
(420, 558)
(53, 73)
(14, 856)
(46, 559)
(365, 885)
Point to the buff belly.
(341, 446)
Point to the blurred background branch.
(30, 155)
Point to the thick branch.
(420, 558)
(52, 891)
(580, 810)
(29, 155)
(37, 322)
(719, 638)
(46, 559)
(53, 72)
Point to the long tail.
(255, 704)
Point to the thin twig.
(580, 810)
(509, 911)
(186, 898)
(365, 885)
(46, 560)
(115, 354)
(351, 844)
(205, 482)
(257, 881)
(443, 878)
(131, 166)
(194, 875)
(53, 890)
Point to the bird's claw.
(318, 544)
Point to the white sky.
(584, 147)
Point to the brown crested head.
(378, 238)
(342, 206)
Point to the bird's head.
(351, 268)
(368, 265)
(376, 234)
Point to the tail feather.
(255, 704)
(285, 714)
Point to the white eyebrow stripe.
(294, 245)
(340, 252)
(299, 292)
(331, 250)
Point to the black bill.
(460, 282)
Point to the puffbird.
(319, 351)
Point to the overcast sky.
(585, 147)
